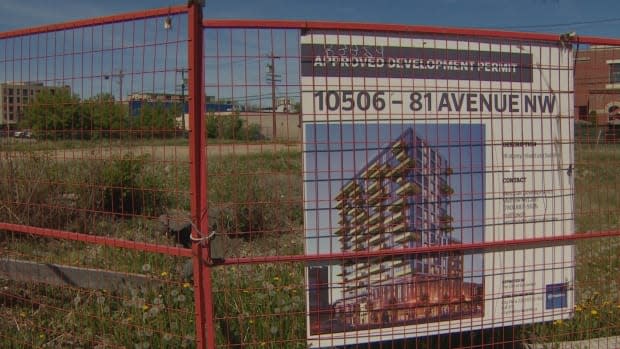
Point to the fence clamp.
(216, 245)
(202, 237)
(566, 39)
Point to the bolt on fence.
(169, 182)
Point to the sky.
(596, 17)
(232, 77)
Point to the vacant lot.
(159, 150)
(256, 190)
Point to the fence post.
(205, 331)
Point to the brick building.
(597, 85)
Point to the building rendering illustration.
(401, 199)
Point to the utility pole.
(120, 75)
(273, 78)
(183, 85)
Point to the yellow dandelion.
(164, 273)
(578, 308)
(276, 278)
(594, 312)
(246, 291)
(187, 285)
(558, 322)
(42, 336)
(251, 321)
(145, 307)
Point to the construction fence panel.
(248, 184)
(95, 193)
(410, 187)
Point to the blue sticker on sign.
(557, 296)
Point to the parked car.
(22, 134)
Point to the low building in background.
(15, 96)
(597, 85)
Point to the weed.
(597, 267)
(74, 318)
(231, 127)
(32, 191)
(255, 305)
(256, 194)
(130, 189)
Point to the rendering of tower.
(400, 199)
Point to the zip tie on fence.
(202, 237)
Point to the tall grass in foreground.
(262, 305)
(597, 261)
(257, 202)
(40, 316)
(258, 208)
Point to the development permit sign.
(427, 142)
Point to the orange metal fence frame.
(201, 152)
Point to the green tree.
(55, 114)
(108, 119)
(224, 126)
(297, 107)
(230, 127)
(130, 186)
(155, 120)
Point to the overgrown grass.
(597, 208)
(262, 305)
(256, 194)
(79, 195)
(596, 315)
(41, 316)
(266, 306)
(29, 145)
(256, 201)
(255, 305)
(597, 264)
(597, 202)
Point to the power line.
(223, 61)
(559, 25)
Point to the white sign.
(427, 143)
